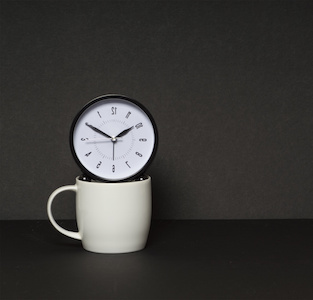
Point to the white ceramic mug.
(111, 217)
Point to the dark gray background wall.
(230, 84)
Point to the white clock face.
(113, 138)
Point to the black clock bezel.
(110, 97)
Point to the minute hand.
(98, 130)
(124, 132)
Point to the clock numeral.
(84, 139)
(99, 114)
(128, 114)
(87, 154)
(126, 162)
(113, 168)
(113, 109)
(142, 140)
(139, 154)
(139, 125)
(99, 164)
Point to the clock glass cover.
(113, 138)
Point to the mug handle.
(72, 234)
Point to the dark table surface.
(259, 259)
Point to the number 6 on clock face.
(113, 138)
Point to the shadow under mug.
(111, 217)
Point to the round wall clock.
(113, 138)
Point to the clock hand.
(101, 140)
(98, 130)
(113, 149)
(124, 132)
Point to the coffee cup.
(111, 217)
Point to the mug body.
(113, 217)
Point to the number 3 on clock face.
(113, 138)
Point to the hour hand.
(98, 130)
(124, 132)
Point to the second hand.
(101, 140)
(113, 139)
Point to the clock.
(113, 138)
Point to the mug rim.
(141, 179)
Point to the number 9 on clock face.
(113, 138)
